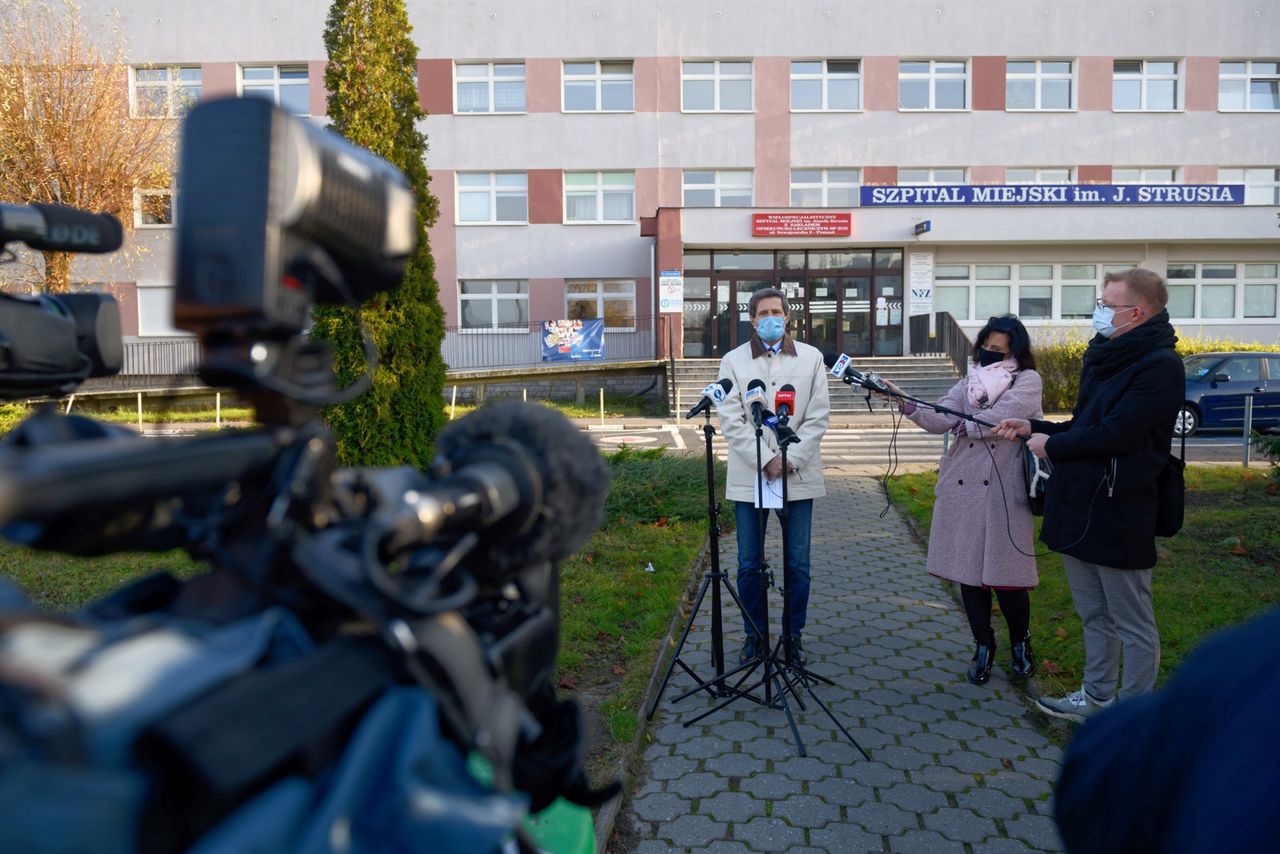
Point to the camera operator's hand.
(1013, 428)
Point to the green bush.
(1060, 354)
(1269, 447)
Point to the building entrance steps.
(926, 377)
(951, 763)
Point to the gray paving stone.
(725, 847)
(913, 797)
(770, 786)
(970, 761)
(876, 774)
(702, 784)
(736, 765)
(1018, 784)
(960, 825)
(693, 831)
(703, 747)
(806, 811)
(924, 842)
(741, 731)
(881, 818)
(769, 834)
(842, 792)
(769, 748)
(991, 803)
(653, 846)
(929, 742)
(959, 730)
(903, 758)
(944, 779)
(895, 724)
(999, 747)
(671, 767)
(656, 751)
(803, 768)
(1001, 846)
(1038, 831)
(661, 806)
(732, 806)
(1045, 769)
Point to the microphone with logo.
(754, 399)
(58, 228)
(712, 395)
(784, 402)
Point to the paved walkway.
(954, 767)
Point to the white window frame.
(1042, 175)
(992, 275)
(1238, 281)
(825, 185)
(599, 189)
(494, 190)
(1039, 77)
(1145, 78)
(717, 77)
(174, 87)
(599, 78)
(931, 178)
(825, 76)
(1248, 76)
(933, 76)
(277, 81)
(140, 193)
(1145, 175)
(491, 78)
(600, 296)
(1249, 280)
(1253, 182)
(719, 186)
(493, 297)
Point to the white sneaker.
(1076, 707)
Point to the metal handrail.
(948, 339)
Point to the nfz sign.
(1054, 194)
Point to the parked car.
(1217, 385)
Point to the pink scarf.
(987, 384)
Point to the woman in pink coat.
(982, 529)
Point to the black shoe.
(1024, 660)
(750, 650)
(796, 655)
(983, 657)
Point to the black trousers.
(1015, 604)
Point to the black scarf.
(1106, 357)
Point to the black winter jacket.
(1100, 505)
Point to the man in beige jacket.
(777, 360)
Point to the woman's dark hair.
(1019, 340)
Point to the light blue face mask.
(770, 328)
(1102, 321)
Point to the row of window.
(817, 85)
(502, 305)
(1197, 291)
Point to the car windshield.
(1197, 366)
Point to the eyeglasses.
(1102, 304)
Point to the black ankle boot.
(983, 657)
(1024, 660)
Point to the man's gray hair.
(766, 293)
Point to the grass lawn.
(614, 407)
(1221, 569)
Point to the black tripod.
(717, 687)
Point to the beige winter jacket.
(807, 372)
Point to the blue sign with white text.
(572, 340)
(1053, 194)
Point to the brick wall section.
(546, 299)
(879, 175)
(546, 196)
(1093, 174)
(444, 244)
(880, 83)
(435, 86)
(668, 93)
(219, 80)
(1199, 174)
(1202, 83)
(773, 131)
(1095, 82)
(645, 70)
(986, 175)
(988, 82)
(542, 85)
(319, 95)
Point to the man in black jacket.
(1100, 508)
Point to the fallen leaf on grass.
(1060, 632)
(1238, 548)
(1050, 667)
(1273, 488)
(568, 682)
(661, 523)
(618, 670)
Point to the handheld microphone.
(786, 436)
(712, 395)
(58, 228)
(784, 402)
(754, 398)
(838, 369)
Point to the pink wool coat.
(970, 539)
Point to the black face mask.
(989, 357)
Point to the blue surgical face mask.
(1102, 321)
(770, 328)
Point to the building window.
(1144, 84)
(724, 188)
(1209, 291)
(153, 208)
(715, 86)
(1260, 285)
(599, 197)
(164, 93)
(1261, 186)
(611, 299)
(933, 84)
(1249, 85)
(825, 188)
(499, 305)
(1047, 175)
(927, 177)
(1145, 175)
(493, 197)
(1078, 300)
(284, 85)
(607, 86)
(826, 85)
(1035, 291)
(490, 87)
(1037, 84)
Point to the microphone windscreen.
(575, 477)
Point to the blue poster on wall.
(572, 340)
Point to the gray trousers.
(1115, 607)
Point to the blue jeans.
(799, 521)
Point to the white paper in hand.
(772, 494)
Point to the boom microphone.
(754, 398)
(712, 395)
(58, 228)
(786, 436)
(871, 381)
(784, 402)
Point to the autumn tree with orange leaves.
(67, 135)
